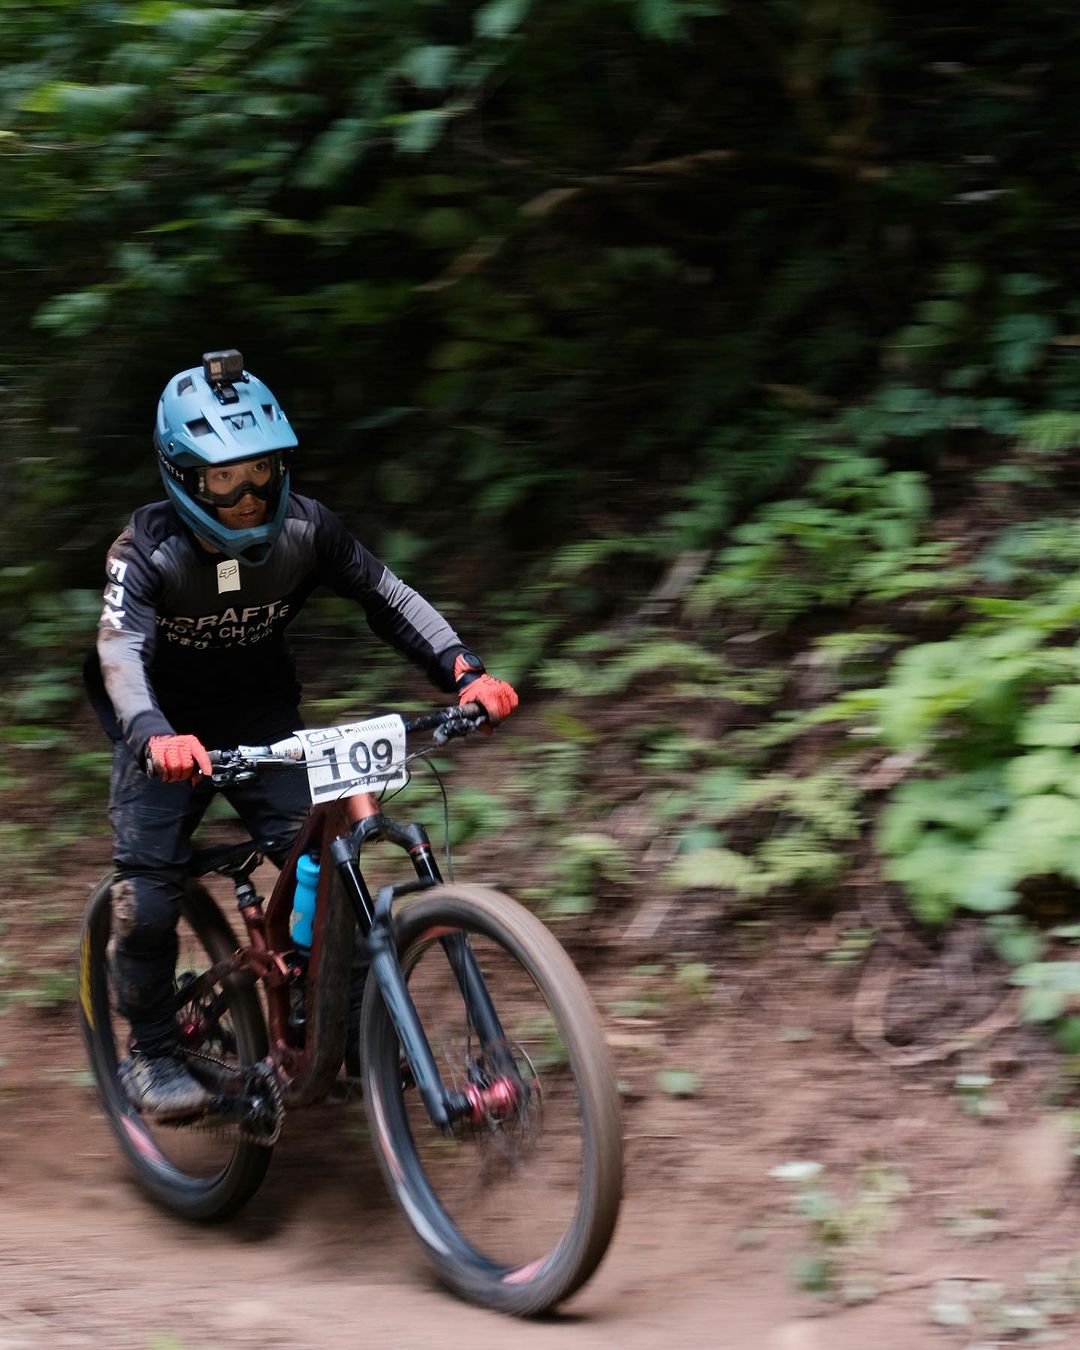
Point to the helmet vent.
(185, 384)
(270, 411)
(241, 421)
(200, 427)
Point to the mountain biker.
(191, 652)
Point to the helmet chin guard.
(251, 546)
(218, 414)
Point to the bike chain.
(268, 1083)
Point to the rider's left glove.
(497, 698)
(474, 685)
(174, 758)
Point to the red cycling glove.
(474, 685)
(497, 698)
(174, 758)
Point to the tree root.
(868, 1021)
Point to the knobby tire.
(204, 1198)
(406, 1142)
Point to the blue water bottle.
(303, 913)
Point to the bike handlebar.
(447, 723)
(467, 716)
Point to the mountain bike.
(486, 1080)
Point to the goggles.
(223, 485)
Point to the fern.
(614, 669)
(1049, 433)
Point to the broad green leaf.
(148, 13)
(699, 837)
(988, 887)
(429, 67)
(1042, 771)
(566, 904)
(73, 315)
(1042, 1004)
(1063, 976)
(333, 154)
(954, 802)
(90, 109)
(1021, 340)
(1067, 1035)
(1024, 283)
(909, 493)
(659, 18)
(189, 23)
(499, 18)
(678, 1082)
(931, 872)
(1039, 835)
(1015, 941)
(1056, 722)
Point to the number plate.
(358, 757)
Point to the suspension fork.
(374, 918)
(467, 972)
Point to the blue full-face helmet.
(217, 414)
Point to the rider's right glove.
(174, 758)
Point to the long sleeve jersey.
(192, 642)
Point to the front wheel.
(208, 1168)
(516, 1207)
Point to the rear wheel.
(205, 1168)
(515, 1208)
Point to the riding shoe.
(162, 1088)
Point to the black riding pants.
(152, 825)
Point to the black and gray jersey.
(193, 642)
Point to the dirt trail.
(702, 1256)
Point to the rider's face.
(250, 510)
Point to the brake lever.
(457, 724)
(225, 776)
(231, 770)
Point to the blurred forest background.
(715, 365)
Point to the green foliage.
(678, 1082)
(51, 990)
(800, 827)
(841, 1237)
(1035, 1312)
(552, 778)
(605, 664)
(511, 242)
(474, 812)
(583, 863)
(854, 534)
(991, 715)
(1050, 433)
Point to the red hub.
(499, 1100)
